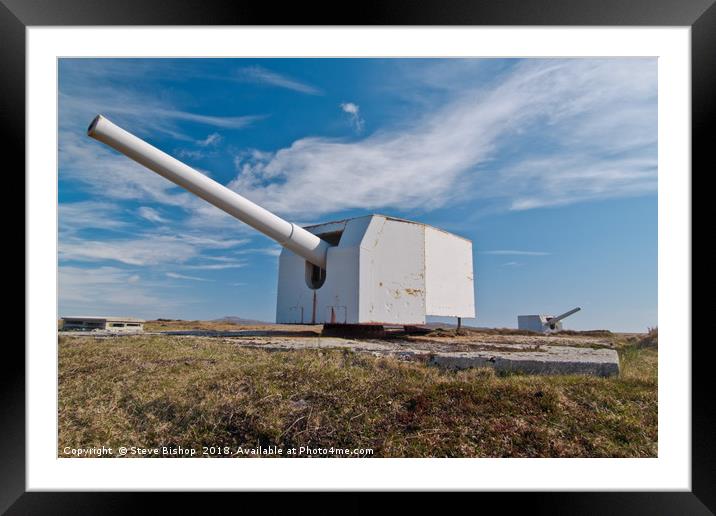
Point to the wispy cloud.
(151, 215)
(210, 140)
(581, 177)
(271, 251)
(131, 251)
(75, 216)
(353, 111)
(176, 275)
(586, 149)
(229, 122)
(511, 264)
(515, 252)
(110, 175)
(262, 75)
(595, 122)
(138, 113)
(221, 262)
(110, 291)
(191, 153)
(146, 250)
(237, 264)
(208, 147)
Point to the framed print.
(441, 241)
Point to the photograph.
(357, 257)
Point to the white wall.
(384, 270)
(449, 277)
(392, 266)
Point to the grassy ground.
(155, 391)
(178, 325)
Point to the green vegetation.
(154, 391)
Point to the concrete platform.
(553, 360)
(500, 353)
(520, 358)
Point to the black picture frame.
(700, 15)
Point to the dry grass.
(650, 339)
(179, 325)
(178, 391)
(468, 331)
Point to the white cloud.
(103, 172)
(271, 251)
(210, 140)
(211, 242)
(350, 107)
(511, 264)
(353, 111)
(237, 264)
(109, 291)
(191, 153)
(214, 262)
(261, 75)
(137, 113)
(515, 252)
(228, 122)
(109, 174)
(573, 108)
(106, 174)
(74, 216)
(151, 215)
(149, 249)
(564, 180)
(131, 251)
(176, 275)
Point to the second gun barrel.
(558, 318)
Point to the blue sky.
(549, 166)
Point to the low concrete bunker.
(102, 323)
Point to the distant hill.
(240, 320)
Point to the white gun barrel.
(289, 235)
(558, 318)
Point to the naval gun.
(371, 270)
(544, 323)
(552, 322)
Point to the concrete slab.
(551, 360)
(544, 360)
(501, 355)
